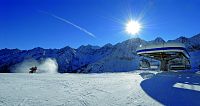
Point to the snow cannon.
(33, 69)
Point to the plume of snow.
(48, 66)
(44, 66)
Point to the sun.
(133, 27)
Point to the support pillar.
(164, 65)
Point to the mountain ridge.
(88, 58)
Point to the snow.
(120, 57)
(174, 88)
(45, 66)
(106, 89)
(187, 86)
(195, 59)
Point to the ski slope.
(106, 89)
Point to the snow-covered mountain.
(121, 58)
(158, 40)
(108, 58)
(192, 43)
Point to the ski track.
(107, 89)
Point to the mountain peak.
(159, 39)
(182, 39)
(196, 36)
(66, 48)
(108, 45)
(88, 47)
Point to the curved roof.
(163, 47)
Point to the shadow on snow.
(172, 88)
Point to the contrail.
(66, 21)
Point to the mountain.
(86, 59)
(158, 40)
(122, 57)
(192, 43)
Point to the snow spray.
(47, 65)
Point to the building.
(172, 56)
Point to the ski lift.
(144, 63)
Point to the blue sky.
(24, 26)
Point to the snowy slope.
(122, 58)
(144, 88)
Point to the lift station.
(172, 56)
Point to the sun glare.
(133, 27)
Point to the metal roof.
(162, 48)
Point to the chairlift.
(144, 63)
